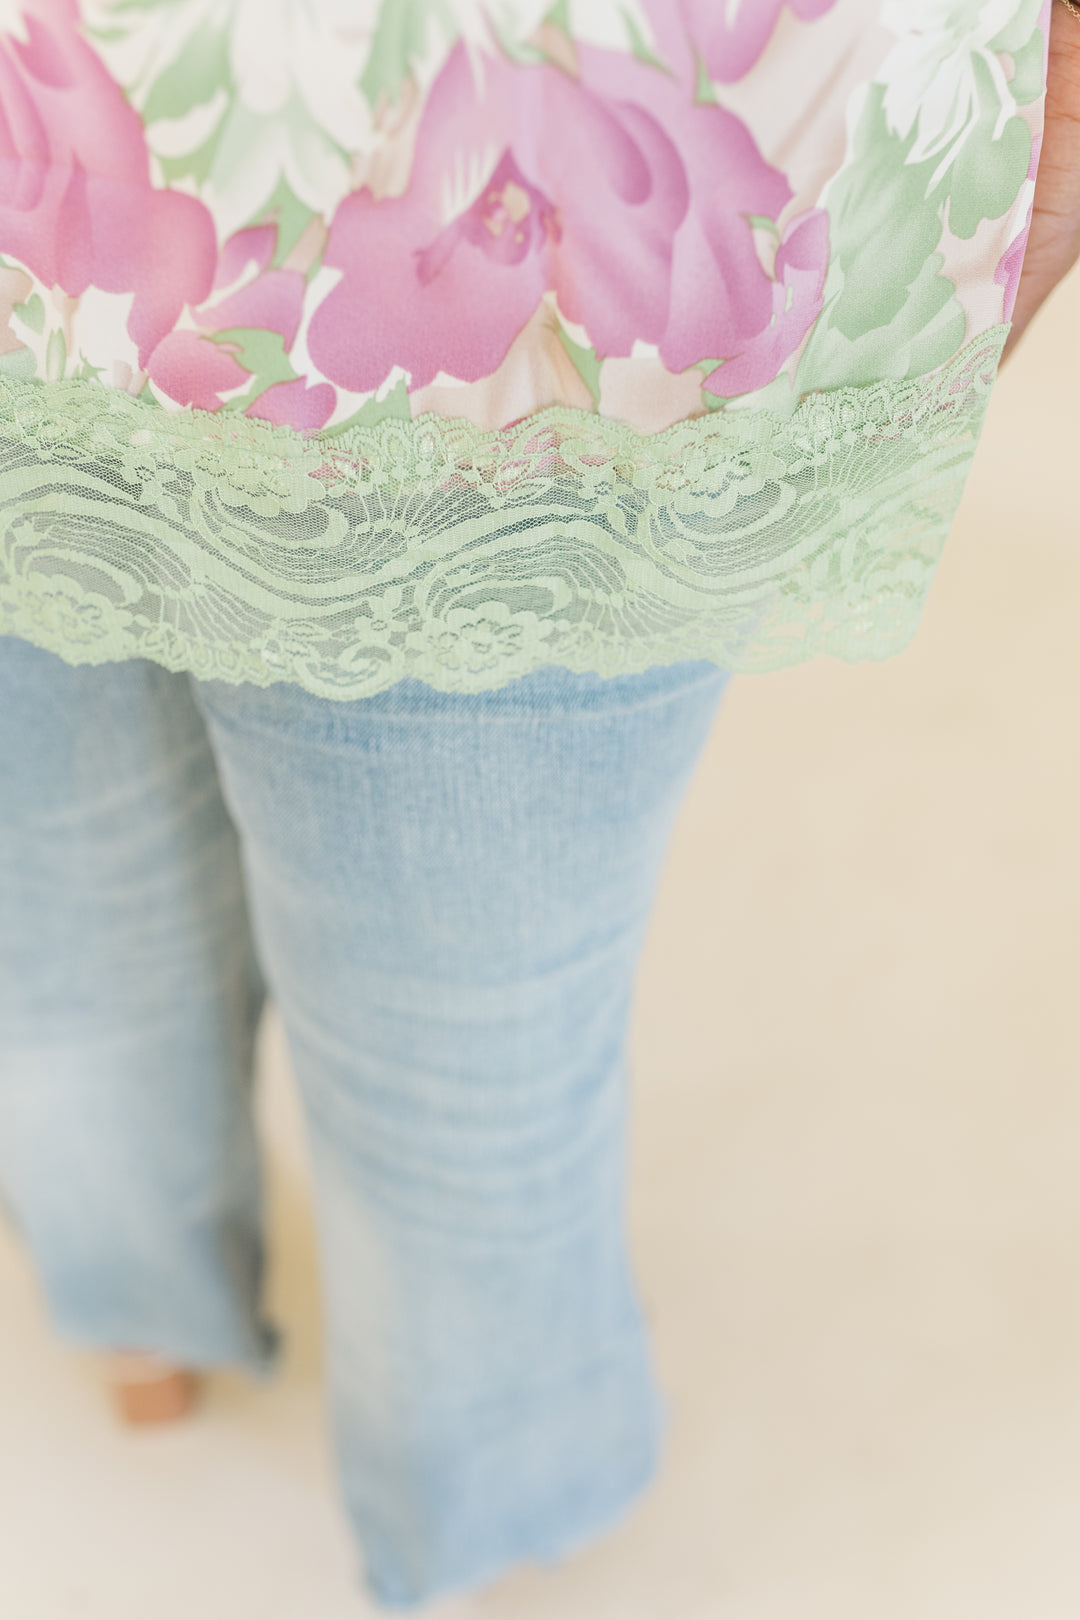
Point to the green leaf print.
(207, 120)
(704, 95)
(585, 362)
(85, 372)
(886, 290)
(261, 353)
(987, 174)
(639, 45)
(55, 357)
(201, 68)
(883, 227)
(1026, 83)
(888, 310)
(400, 39)
(290, 215)
(32, 313)
(394, 405)
(195, 165)
(1018, 30)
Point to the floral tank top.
(345, 340)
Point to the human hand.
(1054, 241)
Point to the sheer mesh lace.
(243, 552)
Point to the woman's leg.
(449, 895)
(129, 997)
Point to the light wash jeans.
(447, 897)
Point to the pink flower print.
(77, 206)
(728, 39)
(524, 183)
(509, 220)
(724, 305)
(296, 404)
(614, 190)
(1011, 265)
(797, 290)
(1009, 270)
(273, 301)
(254, 246)
(193, 369)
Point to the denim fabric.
(446, 896)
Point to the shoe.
(147, 1390)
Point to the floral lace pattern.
(466, 557)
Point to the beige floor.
(856, 1169)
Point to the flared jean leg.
(129, 1000)
(450, 894)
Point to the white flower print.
(932, 75)
(271, 85)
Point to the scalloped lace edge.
(234, 549)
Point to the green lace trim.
(242, 552)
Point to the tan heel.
(147, 1390)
